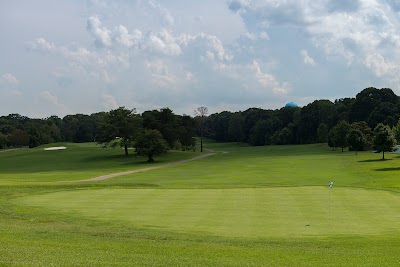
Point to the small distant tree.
(151, 144)
(201, 113)
(384, 140)
(356, 140)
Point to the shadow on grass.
(387, 169)
(373, 160)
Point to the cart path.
(112, 175)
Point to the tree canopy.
(384, 140)
(121, 125)
(151, 144)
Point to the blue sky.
(67, 57)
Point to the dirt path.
(112, 175)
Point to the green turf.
(78, 161)
(244, 206)
(244, 212)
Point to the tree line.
(317, 122)
(121, 126)
(345, 122)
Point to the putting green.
(242, 212)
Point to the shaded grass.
(78, 161)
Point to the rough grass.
(248, 207)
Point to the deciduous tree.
(151, 144)
(356, 140)
(201, 113)
(384, 140)
(122, 124)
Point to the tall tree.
(122, 124)
(235, 127)
(384, 140)
(19, 138)
(356, 140)
(396, 131)
(201, 113)
(3, 140)
(366, 131)
(322, 133)
(341, 131)
(151, 144)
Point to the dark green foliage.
(18, 138)
(174, 128)
(236, 127)
(366, 131)
(288, 125)
(3, 140)
(312, 115)
(356, 140)
(322, 133)
(151, 144)
(332, 139)
(396, 131)
(384, 140)
(337, 136)
(122, 124)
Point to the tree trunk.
(150, 159)
(383, 154)
(126, 150)
(201, 142)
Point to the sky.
(68, 57)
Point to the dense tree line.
(346, 122)
(120, 126)
(318, 122)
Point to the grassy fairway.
(254, 212)
(244, 206)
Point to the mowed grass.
(244, 206)
(77, 162)
(246, 212)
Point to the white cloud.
(166, 16)
(160, 74)
(123, 37)
(268, 81)
(49, 97)
(378, 65)
(163, 42)
(109, 102)
(42, 45)
(306, 58)
(9, 80)
(257, 36)
(101, 34)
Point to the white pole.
(329, 208)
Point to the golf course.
(237, 205)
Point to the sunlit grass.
(244, 206)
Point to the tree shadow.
(387, 169)
(373, 160)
